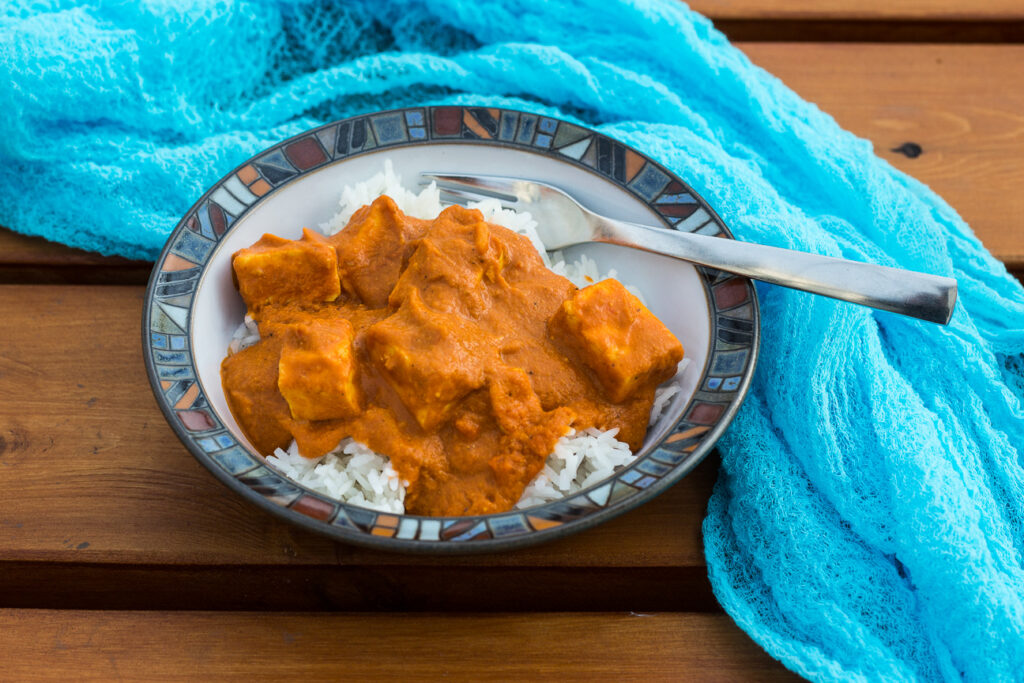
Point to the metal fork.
(563, 222)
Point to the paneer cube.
(276, 270)
(457, 266)
(372, 249)
(617, 338)
(316, 372)
(429, 369)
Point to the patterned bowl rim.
(178, 272)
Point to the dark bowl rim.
(448, 547)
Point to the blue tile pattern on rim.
(653, 467)
(684, 198)
(389, 128)
(235, 460)
(178, 276)
(630, 476)
(192, 247)
(507, 127)
(273, 174)
(274, 167)
(174, 289)
(277, 158)
(649, 182)
(526, 129)
(208, 444)
(361, 517)
(670, 457)
(508, 525)
(415, 120)
(172, 358)
(729, 362)
(166, 372)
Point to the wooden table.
(121, 556)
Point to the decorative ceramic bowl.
(192, 308)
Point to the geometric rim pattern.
(168, 313)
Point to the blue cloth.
(868, 522)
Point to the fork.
(563, 222)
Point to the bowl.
(192, 308)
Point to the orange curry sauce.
(446, 345)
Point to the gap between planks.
(416, 586)
(872, 31)
(867, 10)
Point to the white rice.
(579, 460)
(247, 334)
(352, 473)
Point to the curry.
(446, 345)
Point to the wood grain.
(104, 509)
(962, 104)
(42, 644)
(91, 473)
(847, 10)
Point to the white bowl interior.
(671, 288)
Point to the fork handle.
(918, 295)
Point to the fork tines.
(461, 197)
(474, 188)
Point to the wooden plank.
(92, 475)
(42, 644)
(963, 105)
(846, 10)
